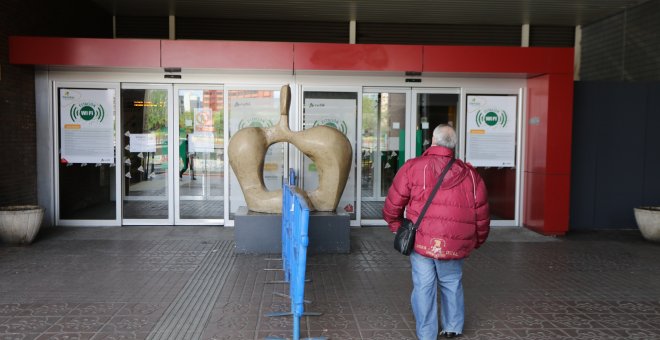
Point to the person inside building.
(456, 222)
(188, 159)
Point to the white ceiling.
(487, 12)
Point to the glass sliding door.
(199, 188)
(146, 139)
(336, 108)
(432, 108)
(383, 146)
(86, 168)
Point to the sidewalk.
(186, 283)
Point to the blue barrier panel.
(299, 260)
(295, 225)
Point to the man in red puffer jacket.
(456, 222)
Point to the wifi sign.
(87, 113)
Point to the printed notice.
(142, 142)
(491, 130)
(87, 132)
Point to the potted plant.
(648, 221)
(19, 224)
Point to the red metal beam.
(227, 54)
(352, 57)
(84, 52)
(494, 59)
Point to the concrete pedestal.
(259, 233)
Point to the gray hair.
(445, 135)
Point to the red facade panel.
(545, 204)
(84, 52)
(538, 101)
(227, 54)
(560, 124)
(494, 59)
(352, 57)
(548, 153)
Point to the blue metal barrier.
(295, 225)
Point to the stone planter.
(648, 221)
(19, 224)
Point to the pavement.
(187, 283)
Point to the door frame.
(55, 121)
(383, 89)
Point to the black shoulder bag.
(404, 240)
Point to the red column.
(548, 154)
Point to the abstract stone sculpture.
(327, 147)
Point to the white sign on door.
(87, 119)
(491, 130)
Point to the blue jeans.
(427, 274)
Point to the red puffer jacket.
(457, 220)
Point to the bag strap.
(435, 190)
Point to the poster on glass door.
(87, 119)
(491, 130)
(202, 139)
(339, 114)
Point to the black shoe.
(450, 334)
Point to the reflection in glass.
(383, 147)
(433, 109)
(145, 153)
(200, 154)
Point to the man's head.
(444, 135)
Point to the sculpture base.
(259, 233)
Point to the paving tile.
(28, 324)
(327, 322)
(380, 321)
(229, 335)
(117, 283)
(129, 324)
(388, 334)
(484, 334)
(121, 336)
(100, 308)
(65, 336)
(18, 336)
(80, 323)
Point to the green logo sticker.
(255, 122)
(491, 118)
(333, 123)
(87, 112)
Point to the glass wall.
(255, 107)
(86, 153)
